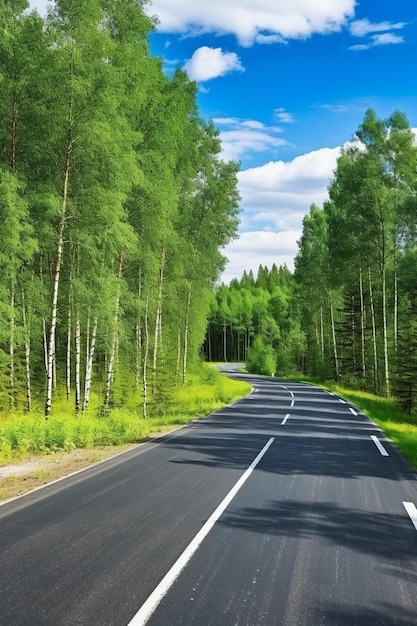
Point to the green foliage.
(261, 358)
(21, 435)
(115, 205)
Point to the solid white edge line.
(146, 610)
(352, 411)
(412, 512)
(284, 421)
(379, 445)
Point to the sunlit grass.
(400, 427)
(22, 435)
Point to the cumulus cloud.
(245, 137)
(208, 63)
(264, 21)
(275, 198)
(260, 248)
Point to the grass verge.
(400, 427)
(23, 435)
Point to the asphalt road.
(287, 508)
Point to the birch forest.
(349, 310)
(115, 205)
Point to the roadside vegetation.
(399, 426)
(23, 435)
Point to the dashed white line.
(379, 445)
(146, 610)
(342, 401)
(352, 411)
(284, 421)
(292, 403)
(412, 512)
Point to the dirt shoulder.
(21, 477)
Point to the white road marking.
(352, 411)
(292, 403)
(379, 445)
(146, 610)
(292, 394)
(342, 401)
(412, 512)
(284, 421)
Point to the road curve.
(315, 525)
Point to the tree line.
(115, 205)
(352, 301)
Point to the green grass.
(22, 435)
(400, 427)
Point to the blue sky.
(287, 82)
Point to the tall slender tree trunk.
(69, 339)
(139, 334)
(362, 317)
(77, 364)
(51, 346)
(145, 362)
(11, 348)
(112, 356)
(158, 319)
(186, 331)
(224, 341)
(374, 344)
(336, 359)
(45, 345)
(385, 331)
(27, 354)
(89, 365)
(321, 332)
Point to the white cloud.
(264, 21)
(275, 198)
(260, 248)
(245, 137)
(208, 63)
(360, 28)
(385, 39)
(283, 116)
(382, 39)
(384, 36)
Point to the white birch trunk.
(11, 349)
(89, 365)
(145, 363)
(27, 355)
(186, 331)
(362, 315)
(77, 364)
(336, 360)
(158, 319)
(374, 344)
(51, 346)
(69, 339)
(112, 356)
(385, 331)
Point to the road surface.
(287, 508)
